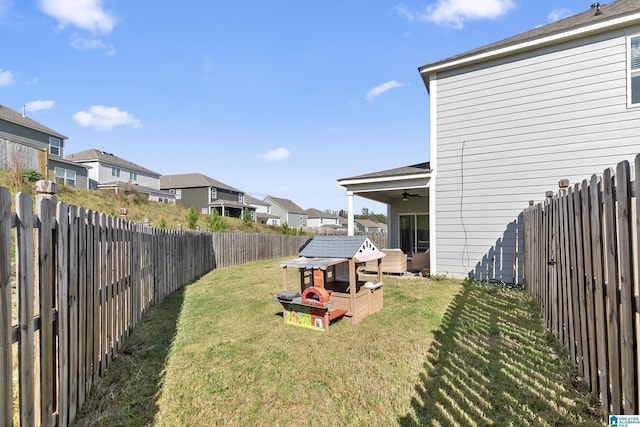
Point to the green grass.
(438, 353)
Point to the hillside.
(161, 215)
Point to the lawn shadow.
(494, 363)
(128, 390)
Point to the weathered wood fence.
(73, 285)
(581, 263)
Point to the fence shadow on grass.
(128, 390)
(493, 363)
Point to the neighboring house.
(263, 211)
(318, 218)
(110, 172)
(368, 226)
(27, 144)
(288, 212)
(205, 195)
(405, 191)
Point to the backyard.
(440, 352)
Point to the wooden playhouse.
(330, 283)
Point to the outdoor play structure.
(330, 283)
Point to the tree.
(246, 217)
(215, 223)
(192, 218)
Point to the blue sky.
(274, 97)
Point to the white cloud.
(455, 13)
(379, 90)
(81, 43)
(84, 14)
(39, 105)
(558, 14)
(277, 154)
(101, 117)
(6, 77)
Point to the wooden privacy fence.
(82, 282)
(581, 262)
(239, 248)
(74, 283)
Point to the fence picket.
(73, 312)
(6, 385)
(45, 276)
(623, 196)
(612, 287)
(25, 285)
(62, 252)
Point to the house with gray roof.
(28, 144)
(206, 194)
(263, 211)
(561, 101)
(288, 212)
(318, 218)
(511, 119)
(110, 172)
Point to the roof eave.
(355, 181)
(599, 27)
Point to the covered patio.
(405, 191)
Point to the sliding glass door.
(414, 233)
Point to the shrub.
(192, 218)
(215, 223)
(30, 175)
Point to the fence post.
(46, 189)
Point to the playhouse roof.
(361, 248)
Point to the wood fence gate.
(581, 265)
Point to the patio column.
(350, 227)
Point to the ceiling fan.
(406, 195)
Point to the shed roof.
(361, 248)
(12, 116)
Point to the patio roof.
(383, 186)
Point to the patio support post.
(350, 230)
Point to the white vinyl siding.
(509, 130)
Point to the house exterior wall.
(14, 153)
(82, 179)
(26, 133)
(100, 173)
(223, 194)
(508, 130)
(291, 219)
(197, 198)
(319, 222)
(296, 219)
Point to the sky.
(275, 98)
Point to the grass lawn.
(438, 353)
